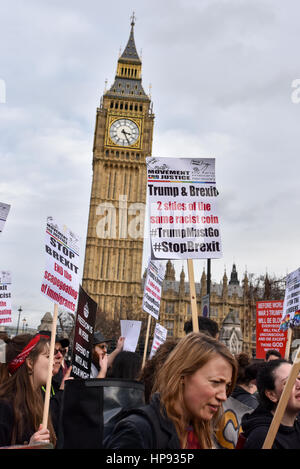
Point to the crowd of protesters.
(187, 384)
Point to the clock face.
(124, 132)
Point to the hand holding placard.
(131, 331)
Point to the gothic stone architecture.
(231, 305)
(123, 138)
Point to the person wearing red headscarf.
(21, 400)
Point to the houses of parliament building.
(112, 273)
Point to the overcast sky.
(221, 74)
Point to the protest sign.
(83, 335)
(61, 276)
(153, 288)
(131, 331)
(291, 306)
(184, 218)
(5, 297)
(159, 337)
(152, 295)
(230, 425)
(4, 209)
(60, 284)
(268, 333)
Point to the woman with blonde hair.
(196, 378)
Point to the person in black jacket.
(189, 390)
(245, 390)
(271, 379)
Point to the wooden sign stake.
(49, 378)
(193, 295)
(146, 340)
(288, 344)
(281, 406)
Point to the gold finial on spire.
(105, 85)
(150, 90)
(133, 19)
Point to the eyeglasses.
(60, 350)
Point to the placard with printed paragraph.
(83, 335)
(269, 336)
(4, 210)
(153, 287)
(5, 297)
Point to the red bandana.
(20, 359)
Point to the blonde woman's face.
(205, 390)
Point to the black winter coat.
(256, 426)
(137, 431)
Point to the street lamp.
(20, 311)
(23, 328)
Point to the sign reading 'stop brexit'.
(184, 217)
(61, 276)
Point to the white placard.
(153, 287)
(5, 297)
(291, 304)
(61, 276)
(4, 209)
(160, 335)
(184, 218)
(131, 331)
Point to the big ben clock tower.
(123, 138)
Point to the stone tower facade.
(123, 139)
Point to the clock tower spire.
(123, 138)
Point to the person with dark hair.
(153, 365)
(101, 361)
(206, 325)
(272, 355)
(126, 365)
(190, 387)
(246, 380)
(21, 399)
(271, 379)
